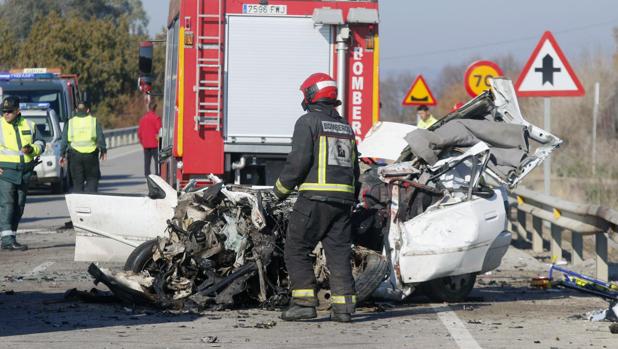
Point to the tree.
(22, 15)
(8, 52)
(114, 10)
(103, 53)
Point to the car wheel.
(369, 270)
(450, 288)
(374, 271)
(141, 257)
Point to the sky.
(425, 36)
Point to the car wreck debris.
(224, 248)
(589, 285)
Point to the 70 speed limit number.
(478, 75)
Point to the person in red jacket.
(148, 134)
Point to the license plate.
(270, 10)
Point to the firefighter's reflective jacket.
(323, 163)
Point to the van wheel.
(141, 258)
(450, 288)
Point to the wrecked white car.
(446, 192)
(433, 218)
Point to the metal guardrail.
(120, 137)
(581, 219)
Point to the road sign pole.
(547, 163)
(595, 115)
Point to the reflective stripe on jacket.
(83, 134)
(15, 136)
(323, 163)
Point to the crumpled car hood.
(498, 117)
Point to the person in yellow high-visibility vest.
(83, 143)
(425, 119)
(20, 144)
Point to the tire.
(450, 288)
(370, 277)
(139, 259)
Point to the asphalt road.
(122, 172)
(502, 312)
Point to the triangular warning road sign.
(548, 73)
(419, 94)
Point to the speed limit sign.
(478, 75)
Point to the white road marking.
(456, 328)
(39, 269)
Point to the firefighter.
(84, 144)
(323, 166)
(425, 119)
(20, 145)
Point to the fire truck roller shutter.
(268, 57)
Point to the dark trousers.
(151, 154)
(85, 171)
(12, 203)
(311, 222)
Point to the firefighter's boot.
(340, 317)
(342, 307)
(299, 312)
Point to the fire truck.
(232, 76)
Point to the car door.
(108, 227)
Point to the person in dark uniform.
(20, 145)
(84, 143)
(323, 165)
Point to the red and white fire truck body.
(233, 70)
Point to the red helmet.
(319, 87)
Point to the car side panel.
(450, 240)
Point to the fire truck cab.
(232, 77)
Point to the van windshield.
(51, 97)
(44, 126)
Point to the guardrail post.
(577, 251)
(556, 240)
(522, 232)
(601, 256)
(537, 234)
